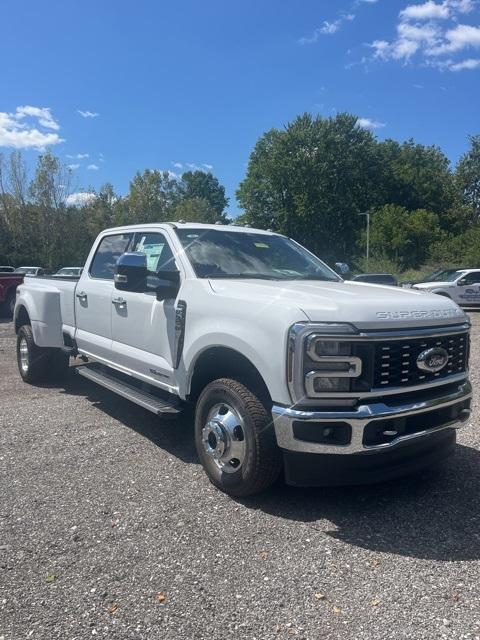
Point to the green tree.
(467, 176)
(152, 197)
(196, 210)
(416, 176)
(403, 236)
(311, 180)
(198, 184)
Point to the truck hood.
(367, 306)
(432, 285)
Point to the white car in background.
(75, 272)
(30, 271)
(462, 286)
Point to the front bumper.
(373, 427)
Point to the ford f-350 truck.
(289, 367)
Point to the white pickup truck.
(461, 285)
(288, 366)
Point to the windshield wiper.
(256, 276)
(312, 277)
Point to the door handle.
(81, 295)
(120, 301)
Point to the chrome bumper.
(363, 415)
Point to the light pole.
(368, 235)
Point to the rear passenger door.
(93, 297)
(143, 328)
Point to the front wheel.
(235, 439)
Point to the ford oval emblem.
(433, 359)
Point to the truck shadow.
(173, 434)
(432, 515)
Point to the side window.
(159, 255)
(472, 278)
(108, 252)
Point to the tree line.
(41, 224)
(309, 180)
(312, 179)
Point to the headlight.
(322, 360)
(333, 365)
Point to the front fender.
(261, 348)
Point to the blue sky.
(195, 84)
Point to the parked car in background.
(4, 269)
(462, 286)
(30, 271)
(376, 278)
(69, 271)
(437, 276)
(8, 290)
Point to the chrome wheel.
(24, 357)
(223, 438)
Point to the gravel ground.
(109, 528)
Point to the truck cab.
(289, 367)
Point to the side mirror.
(131, 272)
(342, 268)
(461, 283)
(168, 284)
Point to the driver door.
(143, 328)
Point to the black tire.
(38, 364)
(10, 304)
(262, 460)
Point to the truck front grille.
(395, 361)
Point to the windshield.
(444, 275)
(25, 270)
(450, 276)
(233, 254)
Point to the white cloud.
(199, 167)
(462, 6)
(427, 11)
(367, 123)
(72, 167)
(460, 37)
(177, 165)
(79, 199)
(470, 63)
(78, 156)
(41, 113)
(18, 132)
(93, 167)
(327, 28)
(88, 114)
(431, 30)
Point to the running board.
(170, 404)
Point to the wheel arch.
(224, 362)
(21, 317)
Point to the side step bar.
(169, 404)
